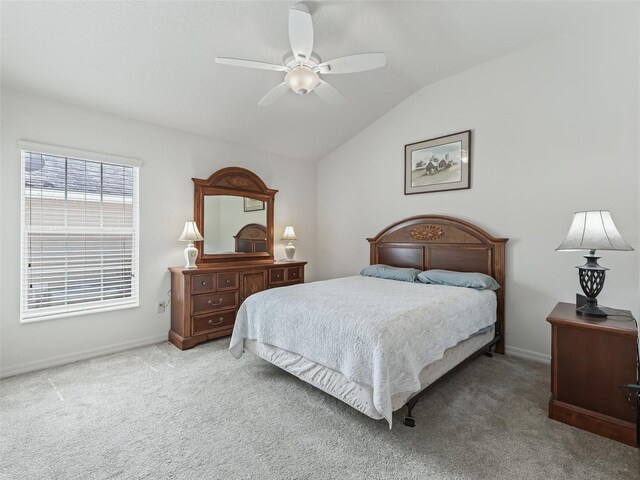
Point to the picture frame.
(252, 204)
(438, 164)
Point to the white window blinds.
(79, 236)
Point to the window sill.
(76, 313)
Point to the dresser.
(205, 300)
(590, 359)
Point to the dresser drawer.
(216, 321)
(294, 274)
(286, 275)
(276, 275)
(203, 283)
(211, 302)
(227, 281)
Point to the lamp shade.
(190, 233)
(593, 230)
(289, 234)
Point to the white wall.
(555, 130)
(170, 159)
(570, 103)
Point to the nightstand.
(590, 359)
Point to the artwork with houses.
(438, 164)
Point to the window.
(79, 234)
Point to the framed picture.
(438, 164)
(252, 205)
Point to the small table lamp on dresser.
(289, 235)
(190, 234)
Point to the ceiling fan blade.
(329, 93)
(274, 94)
(300, 31)
(354, 63)
(239, 62)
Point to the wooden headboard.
(251, 238)
(435, 241)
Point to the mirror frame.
(238, 182)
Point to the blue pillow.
(479, 281)
(391, 273)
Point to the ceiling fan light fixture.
(303, 66)
(301, 79)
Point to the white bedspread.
(380, 333)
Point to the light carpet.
(157, 412)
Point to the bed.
(379, 344)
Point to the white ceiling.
(154, 61)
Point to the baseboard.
(76, 356)
(119, 347)
(528, 354)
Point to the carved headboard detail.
(435, 241)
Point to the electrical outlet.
(161, 307)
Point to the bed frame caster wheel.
(410, 421)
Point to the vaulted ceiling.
(154, 61)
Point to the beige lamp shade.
(289, 234)
(190, 233)
(593, 230)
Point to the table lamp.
(190, 234)
(290, 236)
(592, 230)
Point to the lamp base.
(591, 277)
(290, 251)
(591, 311)
(190, 255)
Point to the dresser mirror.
(233, 209)
(234, 225)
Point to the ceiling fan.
(303, 66)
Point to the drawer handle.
(204, 283)
(217, 322)
(277, 276)
(210, 302)
(228, 281)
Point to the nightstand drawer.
(205, 323)
(203, 283)
(213, 301)
(227, 281)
